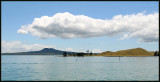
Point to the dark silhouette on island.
(156, 53)
(65, 54)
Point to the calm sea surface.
(57, 68)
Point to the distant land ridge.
(51, 51)
(45, 51)
(129, 52)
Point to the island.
(129, 52)
(45, 51)
(51, 51)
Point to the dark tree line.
(77, 54)
(156, 53)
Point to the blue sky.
(15, 14)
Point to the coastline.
(74, 56)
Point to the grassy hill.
(152, 52)
(129, 52)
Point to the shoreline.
(110, 56)
(77, 56)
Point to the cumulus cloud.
(84, 51)
(96, 51)
(18, 46)
(69, 49)
(124, 37)
(66, 25)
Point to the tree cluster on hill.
(156, 53)
(65, 54)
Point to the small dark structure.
(64, 54)
(80, 54)
(156, 53)
(90, 53)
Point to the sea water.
(58, 68)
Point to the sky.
(78, 26)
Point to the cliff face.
(129, 52)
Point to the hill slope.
(129, 52)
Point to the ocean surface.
(57, 68)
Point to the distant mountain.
(45, 51)
(129, 52)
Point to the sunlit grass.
(129, 52)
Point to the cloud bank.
(67, 26)
(18, 46)
(96, 51)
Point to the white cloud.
(17, 46)
(124, 37)
(22, 31)
(65, 25)
(84, 51)
(74, 50)
(96, 51)
(69, 49)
